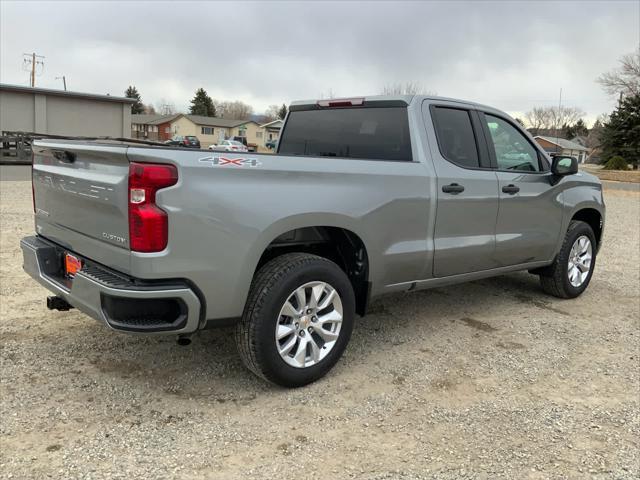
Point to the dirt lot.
(630, 176)
(491, 379)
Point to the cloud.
(511, 55)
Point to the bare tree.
(236, 110)
(537, 118)
(594, 137)
(564, 116)
(330, 94)
(272, 113)
(408, 88)
(624, 80)
(547, 118)
(165, 108)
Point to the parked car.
(251, 147)
(229, 146)
(363, 197)
(188, 141)
(271, 144)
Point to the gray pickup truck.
(363, 197)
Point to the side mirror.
(563, 165)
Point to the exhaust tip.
(184, 340)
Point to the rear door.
(467, 192)
(80, 197)
(530, 212)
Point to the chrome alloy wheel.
(309, 324)
(580, 261)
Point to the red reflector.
(71, 265)
(341, 102)
(148, 223)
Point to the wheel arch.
(592, 217)
(332, 240)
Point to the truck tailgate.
(81, 199)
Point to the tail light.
(148, 223)
(186, 142)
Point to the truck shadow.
(210, 369)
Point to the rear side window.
(365, 133)
(456, 139)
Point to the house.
(60, 112)
(562, 146)
(152, 127)
(271, 131)
(212, 130)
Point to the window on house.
(258, 134)
(207, 130)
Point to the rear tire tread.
(269, 276)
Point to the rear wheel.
(569, 275)
(297, 321)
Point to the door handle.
(511, 189)
(453, 188)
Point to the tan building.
(212, 130)
(57, 112)
(272, 131)
(562, 146)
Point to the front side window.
(513, 151)
(455, 135)
(368, 133)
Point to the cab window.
(456, 139)
(512, 149)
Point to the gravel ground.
(490, 379)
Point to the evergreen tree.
(621, 134)
(282, 112)
(202, 104)
(132, 92)
(579, 129)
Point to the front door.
(530, 211)
(467, 194)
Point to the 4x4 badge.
(226, 161)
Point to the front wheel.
(297, 321)
(569, 275)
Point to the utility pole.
(30, 62)
(64, 81)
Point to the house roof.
(563, 143)
(4, 87)
(151, 119)
(279, 123)
(216, 122)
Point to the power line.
(32, 63)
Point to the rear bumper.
(120, 302)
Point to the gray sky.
(511, 55)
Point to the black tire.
(271, 287)
(554, 278)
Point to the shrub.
(616, 163)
